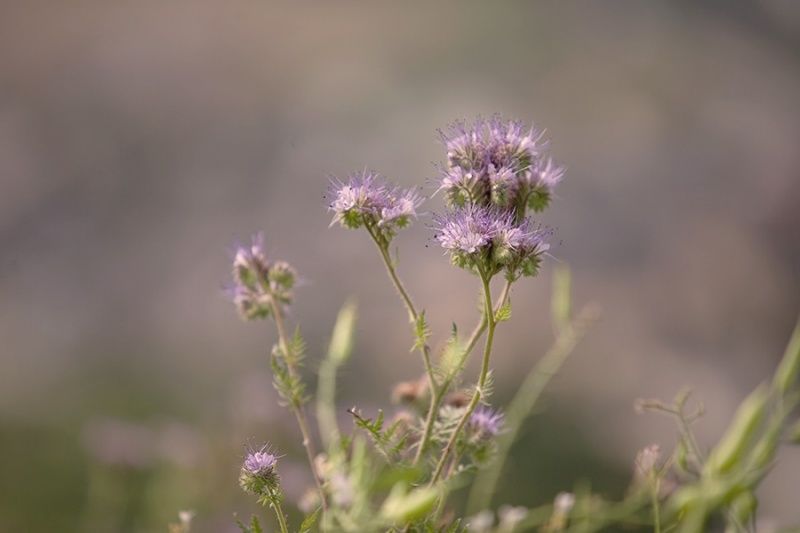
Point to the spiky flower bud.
(258, 282)
(258, 474)
(364, 200)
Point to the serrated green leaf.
(309, 521)
(504, 313)
(789, 368)
(254, 527)
(421, 332)
(452, 358)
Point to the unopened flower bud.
(409, 392)
(457, 399)
(646, 464)
(259, 284)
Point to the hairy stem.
(491, 324)
(295, 406)
(436, 399)
(276, 506)
(383, 248)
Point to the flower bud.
(258, 284)
(458, 399)
(410, 392)
(646, 464)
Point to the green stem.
(436, 399)
(275, 504)
(295, 406)
(476, 397)
(524, 401)
(656, 505)
(383, 248)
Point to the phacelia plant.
(397, 473)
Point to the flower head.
(487, 240)
(258, 473)
(364, 200)
(485, 422)
(259, 463)
(540, 182)
(258, 283)
(497, 162)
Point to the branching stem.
(436, 399)
(274, 502)
(296, 406)
(491, 324)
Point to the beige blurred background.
(139, 140)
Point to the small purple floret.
(260, 462)
(471, 229)
(485, 421)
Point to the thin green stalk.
(436, 399)
(275, 504)
(296, 407)
(524, 401)
(656, 505)
(479, 388)
(383, 248)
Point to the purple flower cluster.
(365, 200)
(487, 240)
(485, 422)
(258, 475)
(496, 170)
(498, 162)
(258, 283)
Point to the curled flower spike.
(258, 283)
(363, 200)
(487, 240)
(499, 163)
(258, 473)
(540, 182)
(485, 422)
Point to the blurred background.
(140, 140)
